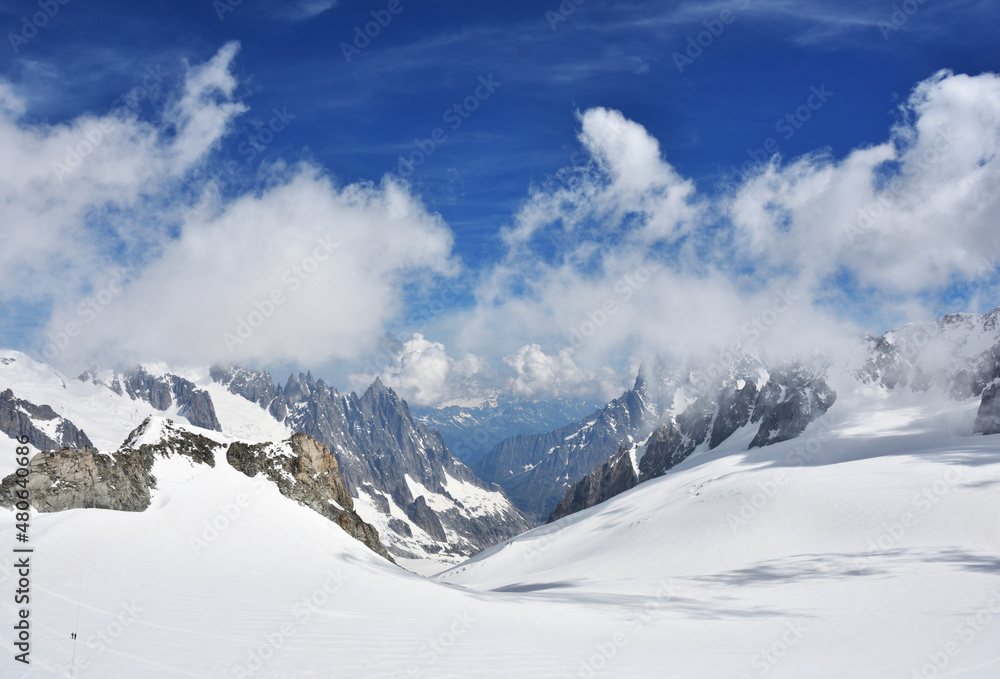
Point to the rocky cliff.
(45, 429)
(536, 470)
(400, 473)
(72, 478)
(615, 476)
(304, 470)
(161, 392)
(784, 403)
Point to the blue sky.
(761, 62)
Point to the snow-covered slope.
(107, 416)
(374, 437)
(423, 501)
(867, 547)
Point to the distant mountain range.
(403, 482)
(957, 355)
(404, 492)
(471, 432)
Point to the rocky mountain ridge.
(161, 392)
(958, 354)
(400, 473)
(125, 480)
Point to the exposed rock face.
(988, 417)
(790, 400)
(613, 477)
(22, 418)
(666, 448)
(939, 353)
(73, 478)
(537, 470)
(76, 478)
(735, 407)
(421, 514)
(301, 468)
(389, 461)
(255, 386)
(305, 471)
(142, 386)
(193, 404)
(985, 376)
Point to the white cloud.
(69, 190)
(424, 374)
(537, 374)
(605, 264)
(304, 270)
(623, 258)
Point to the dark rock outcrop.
(141, 386)
(666, 448)
(613, 477)
(537, 470)
(735, 408)
(308, 473)
(161, 392)
(420, 514)
(255, 386)
(19, 417)
(921, 356)
(194, 404)
(381, 450)
(988, 416)
(74, 478)
(791, 399)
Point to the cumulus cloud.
(906, 217)
(424, 374)
(623, 257)
(69, 190)
(103, 230)
(604, 264)
(305, 272)
(537, 374)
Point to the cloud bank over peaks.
(140, 258)
(624, 258)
